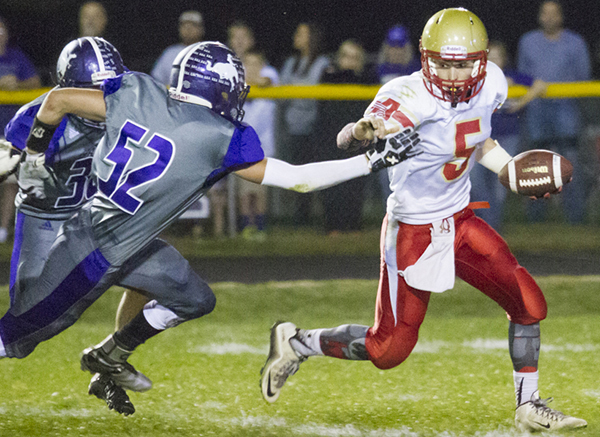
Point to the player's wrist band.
(40, 136)
(495, 159)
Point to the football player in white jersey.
(430, 234)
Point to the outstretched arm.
(308, 177)
(320, 175)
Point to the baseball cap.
(397, 36)
(193, 16)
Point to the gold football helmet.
(454, 35)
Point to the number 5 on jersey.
(455, 168)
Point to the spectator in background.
(555, 54)
(397, 57)
(191, 30)
(17, 72)
(505, 127)
(343, 204)
(304, 67)
(259, 113)
(240, 38)
(93, 19)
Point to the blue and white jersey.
(158, 157)
(70, 156)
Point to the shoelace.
(543, 410)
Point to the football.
(536, 172)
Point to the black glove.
(394, 150)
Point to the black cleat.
(108, 358)
(103, 387)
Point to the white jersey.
(435, 184)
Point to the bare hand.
(547, 195)
(369, 128)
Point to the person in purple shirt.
(506, 128)
(16, 72)
(555, 54)
(397, 55)
(396, 58)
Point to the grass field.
(457, 382)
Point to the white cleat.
(534, 415)
(282, 362)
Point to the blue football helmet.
(210, 74)
(86, 62)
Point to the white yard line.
(435, 346)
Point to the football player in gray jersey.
(65, 183)
(161, 152)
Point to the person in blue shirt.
(506, 129)
(191, 30)
(555, 54)
(397, 57)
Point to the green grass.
(288, 241)
(283, 241)
(457, 382)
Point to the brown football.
(536, 172)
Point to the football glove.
(35, 177)
(394, 150)
(9, 159)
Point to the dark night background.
(141, 29)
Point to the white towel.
(434, 270)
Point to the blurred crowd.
(303, 130)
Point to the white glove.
(396, 149)
(35, 178)
(9, 159)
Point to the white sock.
(2, 350)
(526, 383)
(160, 317)
(307, 343)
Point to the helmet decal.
(226, 71)
(211, 75)
(87, 62)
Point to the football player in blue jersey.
(162, 150)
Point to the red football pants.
(482, 259)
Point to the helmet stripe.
(186, 56)
(97, 52)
